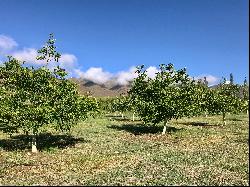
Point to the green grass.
(114, 151)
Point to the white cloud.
(95, 74)
(212, 80)
(151, 71)
(68, 60)
(28, 55)
(98, 75)
(7, 43)
(123, 77)
(79, 73)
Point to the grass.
(114, 151)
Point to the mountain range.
(109, 89)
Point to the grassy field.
(109, 150)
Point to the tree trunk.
(165, 127)
(122, 115)
(247, 112)
(33, 143)
(133, 116)
(224, 116)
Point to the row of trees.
(119, 104)
(31, 98)
(172, 94)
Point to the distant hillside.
(108, 89)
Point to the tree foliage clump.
(226, 98)
(31, 98)
(170, 95)
(114, 104)
(121, 104)
(106, 104)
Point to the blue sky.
(103, 39)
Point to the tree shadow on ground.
(8, 129)
(242, 140)
(45, 141)
(233, 119)
(120, 118)
(199, 124)
(111, 115)
(125, 119)
(139, 129)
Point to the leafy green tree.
(106, 104)
(131, 106)
(170, 95)
(225, 99)
(203, 96)
(33, 98)
(48, 52)
(121, 104)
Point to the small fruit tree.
(106, 104)
(171, 94)
(225, 98)
(121, 104)
(31, 98)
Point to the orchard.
(32, 98)
(185, 132)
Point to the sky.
(102, 40)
